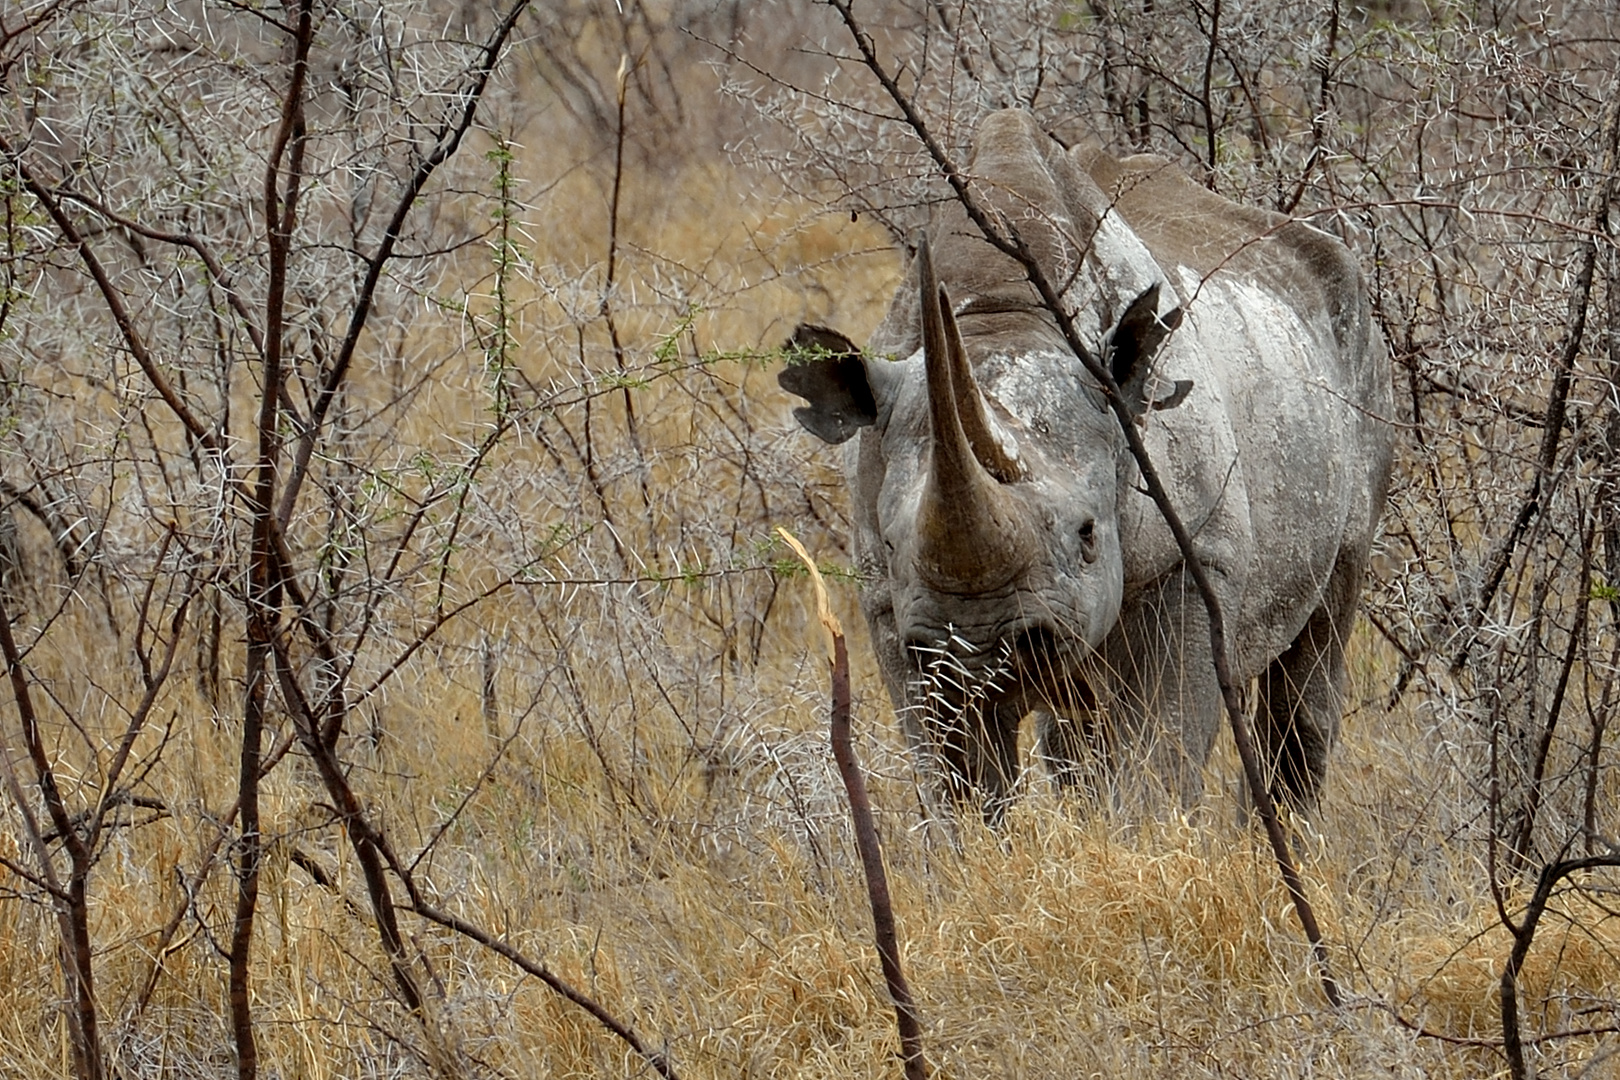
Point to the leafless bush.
(266, 279)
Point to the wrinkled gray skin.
(1000, 519)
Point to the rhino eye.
(1088, 540)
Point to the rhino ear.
(826, 369)
(1131, 347)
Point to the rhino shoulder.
(1184, 224)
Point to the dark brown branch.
(114, 301)
(866, 834)
(137, 720)
(1477, 1041)
(31, 21)
(116, 799)
(373, 850)
(72, 903)
(1523, 936)
(1205, 100)
(659, 1061)
(196, 246)
(164, 945)
(363, 839)
(66, 537)
(1521, 843)
(877, 881)
(608, 285)
(1323, 63)
(282, 180)
(207, 437)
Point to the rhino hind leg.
(1301, 696)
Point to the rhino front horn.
(973, 534)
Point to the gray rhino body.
(1012, 563)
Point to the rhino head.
(991, 470)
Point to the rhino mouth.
(1035, 661)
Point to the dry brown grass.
(726, 918)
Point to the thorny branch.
(1524, 933)
(114, 300)
(446, 140)
(373, 850)
(1558, 397)
(70, 903)
(283, 179)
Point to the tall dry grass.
(721, 911)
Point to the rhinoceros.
(1012, 562)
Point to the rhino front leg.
(1070, 743)
(1165, 708)
(892, 665)
(911, 706)
(979, 751)
(1061, 745)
